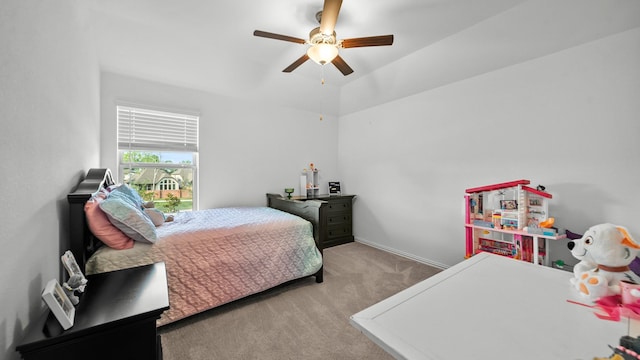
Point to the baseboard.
(435, 264)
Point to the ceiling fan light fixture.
(323, 44)
(322, 53)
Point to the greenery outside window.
(158, 156)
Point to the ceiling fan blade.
(296, 63)
(368, 41)
(329, 16)
(342, 66)
(278, 37)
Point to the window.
(158, 156)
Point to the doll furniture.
(508, 219)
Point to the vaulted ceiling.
(209, 45)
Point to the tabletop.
(490, 307)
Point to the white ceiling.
(209, 45)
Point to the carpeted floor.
(302, 319)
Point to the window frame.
(124, 146)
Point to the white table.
(490, 307)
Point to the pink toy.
(630, 293)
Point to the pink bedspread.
(219, 255)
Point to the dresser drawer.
(339, 205)
(334, 232)
(339, 218)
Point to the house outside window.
(158, 156)
(168, 184)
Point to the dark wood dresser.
(339, 217)
(115, 319)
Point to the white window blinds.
(145, 129)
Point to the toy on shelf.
(586, 263)
(547, 224)
(510, 213)
(605, 252)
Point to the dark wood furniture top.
(115, 319)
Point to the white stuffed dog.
(579, 252)
(605, 252)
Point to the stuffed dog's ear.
(627, 240)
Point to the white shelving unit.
(310, 183)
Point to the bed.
(212, 256)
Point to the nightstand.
(115, 319)
(339, 217)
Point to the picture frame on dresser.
(334, 188)
(59, 303)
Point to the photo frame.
(59, 304)
(535, 201)
(508, 204)
(334, 188)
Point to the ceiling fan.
(323, 43)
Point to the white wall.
(49, 111)
(247, 148)
(568, 121)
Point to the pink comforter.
(219, 255)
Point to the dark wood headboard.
(83, 243)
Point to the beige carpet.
(302, 319)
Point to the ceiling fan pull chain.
(322, 92)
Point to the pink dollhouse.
(510, 219)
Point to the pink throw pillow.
(103, 229)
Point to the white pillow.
(129, 219)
